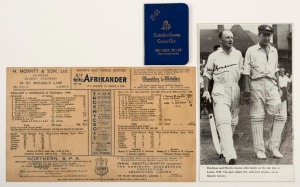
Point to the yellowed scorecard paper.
(101, 124)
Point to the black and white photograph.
(246, 80)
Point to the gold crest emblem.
(101, 166)
(166, 25)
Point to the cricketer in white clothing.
(224, 66)
(260, 66)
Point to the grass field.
(243, 141)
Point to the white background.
(111, 33)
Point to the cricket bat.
(213, 128)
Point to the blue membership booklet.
(166, 34)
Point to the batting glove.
(206, 95)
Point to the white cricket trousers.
(226, 98)
(264, 93)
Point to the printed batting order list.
(101, 124)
